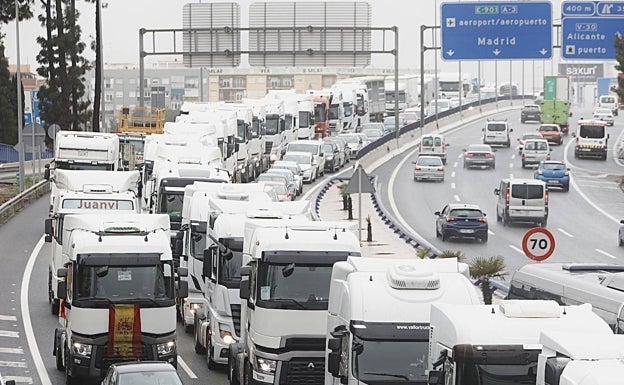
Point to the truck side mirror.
(496, 191)
(182, 272)
(333, 363)
(436, 377)
(48, 231)
(236, 147)
(46, 172)
(182, 287)
(574, 134)
(177, 243)
(61, 287)
(209, 254)
(245, 289)
(245, 271)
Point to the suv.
(534, 151)
(522, 200)
(552, 133)
(497, 132)
(530, 112)
(433, 145)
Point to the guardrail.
(17, 203)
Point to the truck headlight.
(265, 365)
(166, 348)
(80, 349)
(225, 334)
(195, 307)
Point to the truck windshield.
(198, 243)
(229, 267)
(293, 286)
(390, 361)
(320, 113)
(272, 126)
(304, 119)
(503, 374)
(171, 203)
(120, 283)
(82, 166)
(348, 109)
(334, 111)
(255, 128)
(449, 86)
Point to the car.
(142, 373)
(355, 143)
(343, 147)
(372, 134)
(441, 104)
(390, 121)
(283, 193)
(554, 173)
(293, 184)
(480, 155)
(428, 167)
(373, 125)
(604, 114)
(332, 156)
(410, 116)
(293, 168)
(269, 178)
(552, 133)
(525, 137)
(314, 147)
(535, 151)
(530, 112)
(621, 234)
(304, 160)
(457, 220)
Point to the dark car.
(457, 220)
(480, 155)
(332, 156)
(142, 373)
(554, 173)
(530, 112)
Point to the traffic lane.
(193, 368)
(18, 238)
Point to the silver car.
(428, 168)
(604, 114)
(292, 167)
(355, 143)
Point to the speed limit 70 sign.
(538, 244)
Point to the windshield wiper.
(388, 375)
(299, 304)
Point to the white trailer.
(285, 292)
(378, 316)
(80, 192)
(409, 91)
(571, 358)
(118, 296)
(74, 150)
(371, 98)
(500, 343)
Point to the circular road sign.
(538, 244)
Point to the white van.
(315, 148)
(610, 102)
(522, 200)
(433, 145)
(534, 151)
(497, 132)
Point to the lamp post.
(100, 6)
(20, 113)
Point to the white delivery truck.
(118, 294)
(75, 150)
(85, 192)
(499, 344)
(284, 293)
(219, 326)
(571, 358)
(378, 316)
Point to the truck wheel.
(209, 353)
(59, 358)
(188, 328)
(69, 379)
(247, 374)
(199, 349)
(232, 374)
(505, 219)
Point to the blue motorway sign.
(496, 30)
(589, 28)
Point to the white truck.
(284, 293)
(349, 101)
(306, 116)
(378, 316)
(219, 326)
(371, 98)
(499, 344)
(118, 294)
(409, 92)
(81, 192)
(570, 358)
(75, 150)
(453, 85)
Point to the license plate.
(466, 231)
(553, 181)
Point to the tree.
(452, 254)
(619, 57)
(485, 269)
(8, 119)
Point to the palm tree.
(485, 269)
(452, 254)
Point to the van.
(522, 200)
(601, 285)
(610, 102)
(592, 139)
(534, 151)
(315, 148)
(433, 145)
(497, 132)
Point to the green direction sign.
(550, 88)
(486, 10)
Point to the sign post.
(359, 183)
(496, 30)
(538, 244)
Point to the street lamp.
(100, 6)
(20, 113)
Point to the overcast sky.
(123, 18)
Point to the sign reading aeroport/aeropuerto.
(496, 30)
(589, 28)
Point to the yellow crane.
(144, 120)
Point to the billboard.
(582, 72)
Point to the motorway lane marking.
(28, 328)
(12, 350)
(186, 368)
(517, 249)
(452, 185)
(453, 174)
(510, 176)
(513, 156)
(8, 333)
(605, 253)
(456, 197)
(8, 318)
(460, 155)
(491, 232)
(565, 232)
(455, 164)
(12, 364)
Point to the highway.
(584, 222)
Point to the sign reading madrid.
(496, 30)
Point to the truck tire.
(60, 365)
(199, 348)
(209, 353)
(69, 379)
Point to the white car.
(293, 168)
(526, 136)
(428, 168)
(605, 115)
(304, 160)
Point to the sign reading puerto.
(538, 244)
(589, 28)
(496, 30)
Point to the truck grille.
(236, 318)
(308, 344)
(304, 371)
(268, 146)
(103, 361)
